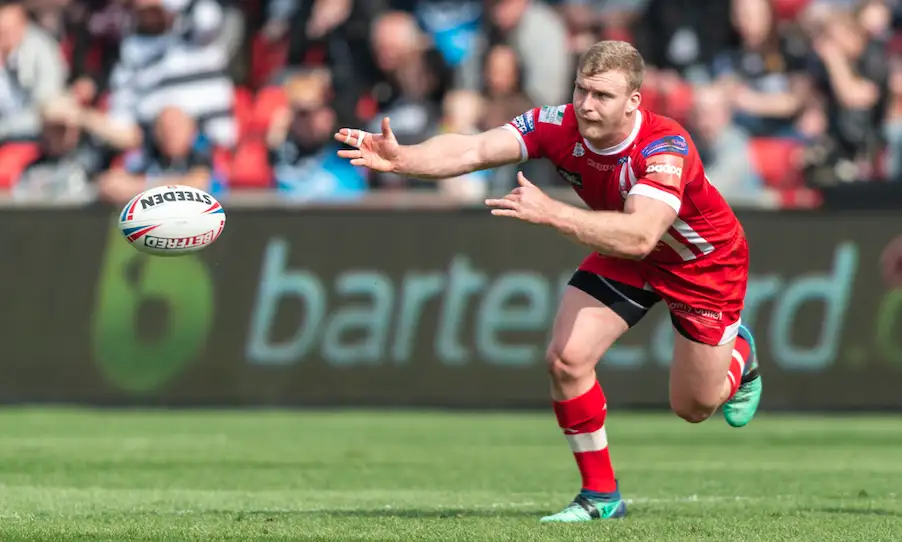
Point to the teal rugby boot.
(741, 408)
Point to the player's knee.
(693, 411)
(564, 366)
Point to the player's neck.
(619, 140)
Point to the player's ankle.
(602, 491)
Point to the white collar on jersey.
(620, 147)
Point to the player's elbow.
(643, 245)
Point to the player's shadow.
(446, 513)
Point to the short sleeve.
(662, 166)
(535, 129)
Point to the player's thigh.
(702, 349)
(594, 312)
(705, 298)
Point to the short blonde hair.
(612, 55)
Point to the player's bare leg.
(583, 330)
(704, 377)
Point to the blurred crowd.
(102, 98)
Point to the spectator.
(414, 82)
(538, 35)
(587, 20)
(681, 37)
(851, 73)
(334, 34)
(175, 155)
(503, 87)
(454, 29)
(765, 76)
(504, 100)
(875, 17)
(302, 153)
(724, 147)
(68, 161)
(173, 58)
(32, 72)
(96, 38)
(408, 63)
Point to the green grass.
(264, 475)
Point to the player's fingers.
(358, 162)
(522, 179)
(341, 135)
(386, 128)
(351, 137)
(503, 203)
(505, 212)
(350, 154)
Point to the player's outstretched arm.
(440, 157)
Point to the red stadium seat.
(67, 49)
(788, 10)
(775, 160)
(269, 99)
(222, 160)
(250, 167)
(243, 109)
(678, 102)
(799, 198)
(267, 58)
(367, 108)
(14, 157)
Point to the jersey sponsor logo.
(574, 179)
(674, 144)
(579, 150)
(665, 169)
(552, 114)
(525, 123)
(601, 167)
(683, 308)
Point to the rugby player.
(657, 229)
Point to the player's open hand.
(376, 151)
(526, 202)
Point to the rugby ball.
(172, 220)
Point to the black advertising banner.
(432, 308)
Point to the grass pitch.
(420, 476)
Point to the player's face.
(604, 105)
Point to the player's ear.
(633, 103)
